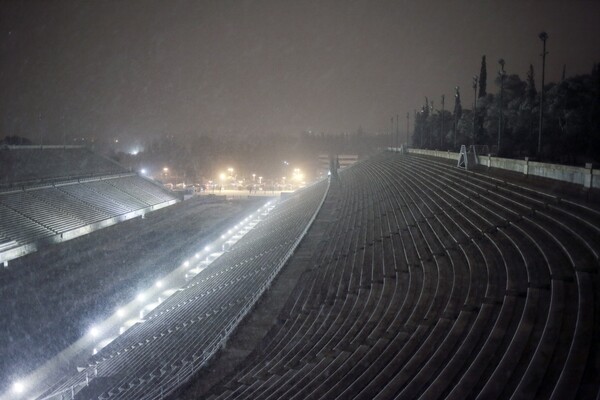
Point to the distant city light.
(120, 312)
(158, 284)
(207, 248)
(197, 255)
(186, 264)
(141, 297)
(143, 171)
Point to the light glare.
(18, 387)
(94, 331)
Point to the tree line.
(508, 121)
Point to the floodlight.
(18, 387)
(94, 331)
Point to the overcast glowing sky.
(138, 68)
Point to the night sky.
(138, 69)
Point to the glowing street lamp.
(297, 176)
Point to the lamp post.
(392, 133)
(407, 127)
(501, 73)
(41, 132)
(397, 133)
(474, 108)
(456, 98)
(431, 127)
(422, 130)
(543, 36)
(442, 127)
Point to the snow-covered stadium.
(400, 277)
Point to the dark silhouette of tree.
(572, 123)
(482, 78)
(527, 114)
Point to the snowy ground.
(49, 299)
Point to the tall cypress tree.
(482, 78)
